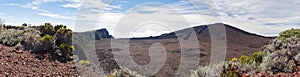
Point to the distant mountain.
(85, 41)
(98, 34)
(202, 31)
(239, 42)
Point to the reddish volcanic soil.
(238, 43)
(17, 63)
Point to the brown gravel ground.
(18, 63)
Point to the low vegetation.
(84, 62)
(40, 39)
(124, 72)
(281, 55)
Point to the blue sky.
(262, 17)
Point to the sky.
(141, 18)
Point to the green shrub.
(24, 25)
(213, 70)
(244, 59)
(47, 29)
(66, 51)
(256, 58)
(31, 38)
(46, 38)
(63, 36)
(19, 28)
(234, 60)
(124, 72)
(289, 33)
(231, 69)
(57, 27)
(47, 43)
(84, 62)
(231, 73)
(11, 37)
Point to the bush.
(234, 60)
(289, 33)
(63, 36)
(19, 28)
(11, 37)
(66, 50)
(24, 25)
(209, 71)
(244, 59)
(47, 29)
(31, 39)
(281, 53)
(256, 58)
(57, 27)
(231, 69)
(84, 62)
(124, 72)
(47, 43)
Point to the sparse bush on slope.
(256, 58)
(208, 71)
(66, 50)
(231, 69)
(11, 37)
(84, 62)
(124, 72)
(281, 55)
(47, 43)
(63, 36)
(31, 39)
(63, 40)
(244, 59)
(47, 29)
(283, 36)
(44, 38)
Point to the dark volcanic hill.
(85, 41)
(239, 43)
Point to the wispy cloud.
(10, 4)
(254, 16)
(56, 16)
(73, 4)
(32, 6)
(35, 8)
(38, 2)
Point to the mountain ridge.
(198, 30)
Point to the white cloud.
(35, 8)
(38, 2)
(11, 4)
(250, 15)
(56, 16)
(73, 4)
(33, 5)
(253, 15)
(147, 33)
(90, 12)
